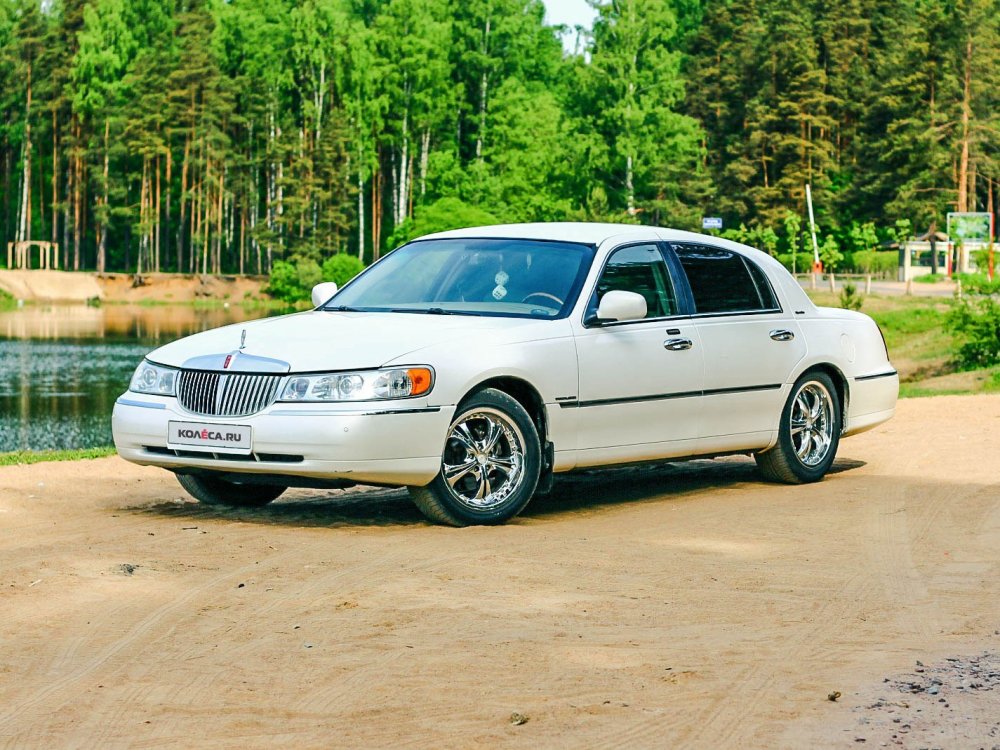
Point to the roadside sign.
(711, 222)
(969, 226)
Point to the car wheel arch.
(528, 397)
(840, 382)
(521, 391)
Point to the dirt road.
(688, 606)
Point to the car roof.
(593, 233)
(568, 231)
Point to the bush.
(440, 216)
(878, 263)
(976, 283)
(341, 268)
(293, 280)
(976, 319)
(849, 298)
(803, 262)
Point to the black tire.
(797, 458)
(514, 456)
(213, 491)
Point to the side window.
(767, 298)
(639, 269)
(723, 281)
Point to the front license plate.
(230, 438)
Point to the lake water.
(63, 366)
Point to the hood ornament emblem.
(243, 339)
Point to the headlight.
(150, 378)
(401, 382)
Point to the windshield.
(518, 278)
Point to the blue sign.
(711, 222)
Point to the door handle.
(781, 334)
(677, 345)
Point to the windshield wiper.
(342, 308)
(428, 311)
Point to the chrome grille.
(223, 394)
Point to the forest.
(212, 136)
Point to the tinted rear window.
(724, 282)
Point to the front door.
(640, 381)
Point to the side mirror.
(619, 305)
(322, 292)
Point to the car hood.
(319, 340)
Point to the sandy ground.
(686, 606)
(65, 286)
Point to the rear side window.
(725, 282)
(639, 269)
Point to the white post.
(812, 230)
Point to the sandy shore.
(65, 286)
(686, 606)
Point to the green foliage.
(736, 234)
(863, 237)
(976, 320)
(793, 230)
(7, 302)
(440, 216)
(877, 263)
(849, 298)
(802, 262)
(829, 253)
(900, 232)
(978, 283)
(292, 281)
(227, 136)
(981, 257)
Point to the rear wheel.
(213, 491)
(489, 467)
(808, 435)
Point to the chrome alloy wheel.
(483, 458)
(812, 423)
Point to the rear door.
(751, 346)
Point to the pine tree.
(635, 76)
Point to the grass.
(6, 301)
(921, 345)
(211, 303)
(37, 457)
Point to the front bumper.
(381, 443)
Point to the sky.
(569, 12)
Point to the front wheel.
(808, 435)
(489, 467)
(214, 491)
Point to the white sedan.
(473, 365)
